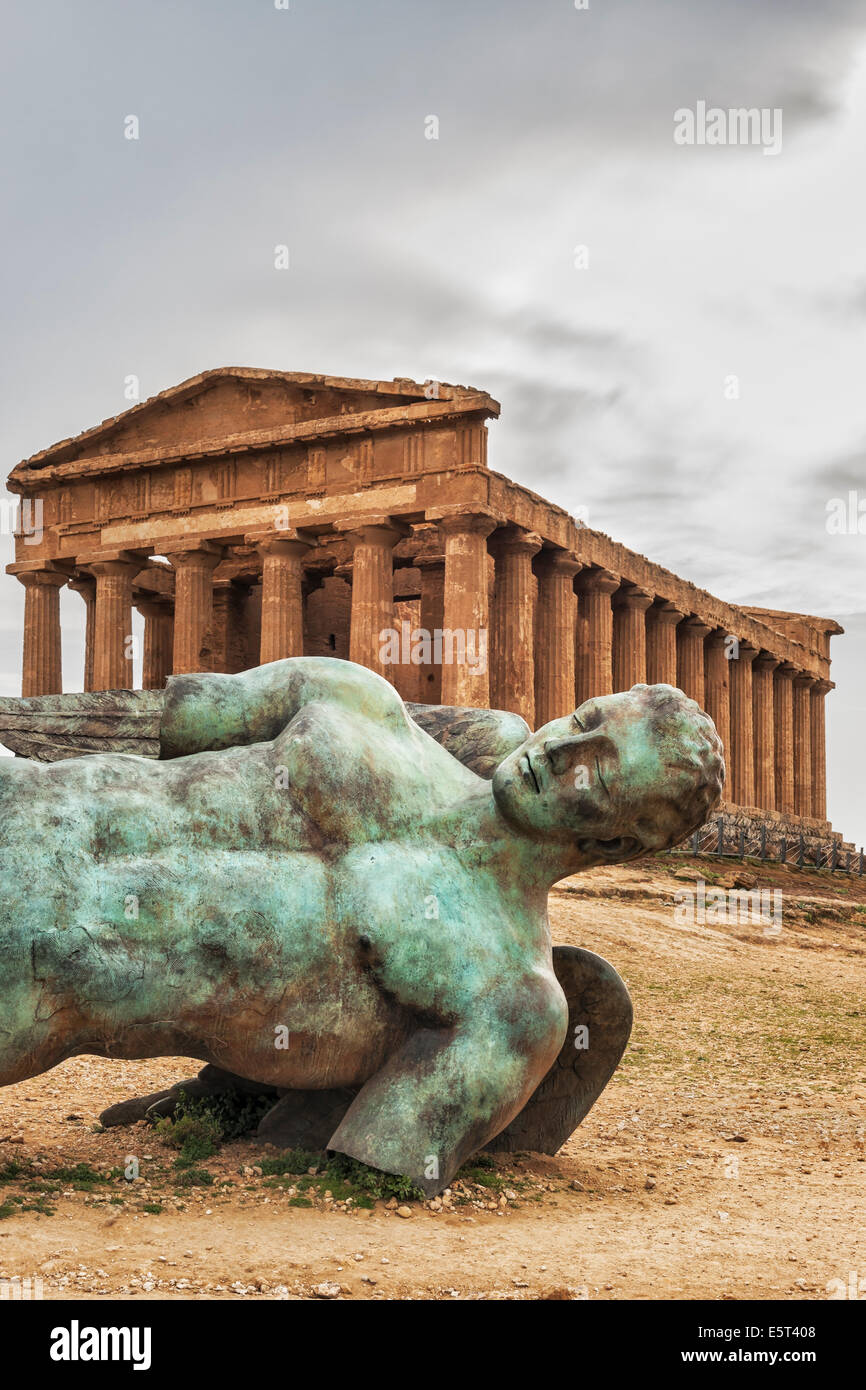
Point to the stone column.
(85, 585)
(372, 591)
(193, 603)
(742, 727)
(112, 629)
(158, 642)
(717, 694)
(820, 690)
(764, 723)
(595, 672)
(432, 567)
(661, 643)
(803, 744)
(691, 677)
(554, 635)
(513, 639)
(629, 637)
(466, 612)
(42, 672)
(783, 719)
(282, 596)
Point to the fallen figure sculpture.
(303, 885)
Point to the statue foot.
(599, 1024)
(211, 1081)
(304, 1119)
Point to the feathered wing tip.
(49, 728)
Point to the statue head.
(624, 775)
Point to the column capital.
(803, 681)
(152, 605)
(563, 562)
(696, 626)
(745, 652)
(513, 540)
(43, 579)
(632, 597)
(667, 614)
(599, 581)
(82, 584)
(289, 543)
(480, 521)
(111, 562)
(786, 669)
(207, 553)
(823, 687)
(765, 661)
(377, 529)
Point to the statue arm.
(212, 711)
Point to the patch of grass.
(299, 1202)
(193, 1177)
(292, 1161)
(202, 1121)
(81, 1177)
(154, 1208)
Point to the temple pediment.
(230, 401)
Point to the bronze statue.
(315, 896)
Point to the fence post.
(802, 855)
(720, 850)
(783, 850)
(763, 839)
(742, 842)
(696, 842)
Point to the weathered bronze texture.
(309, 892)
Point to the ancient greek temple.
(251, 515)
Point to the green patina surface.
(311, 892)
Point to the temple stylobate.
(251, 515)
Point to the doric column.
(112, 626)
(513, 654)
(717, 694)
(803, 744)
(819, 749)
(764, 723)
(372, 590)
(158, 642)
(193, 603)
(661, 643)
(432, 567)
(42, 672)
(595, 671)
(691, 677)
(554, 635)
(466, 614)
(282, 596)
(783, 719)
(742, 778)
(85, 585)
(629, 637)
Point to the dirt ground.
(726, 1159)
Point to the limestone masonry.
(251, 515)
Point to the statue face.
(624, 774)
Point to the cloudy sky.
(693, 377)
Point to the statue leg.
(599, 1024)
(211, 1081)
(447, 1091)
